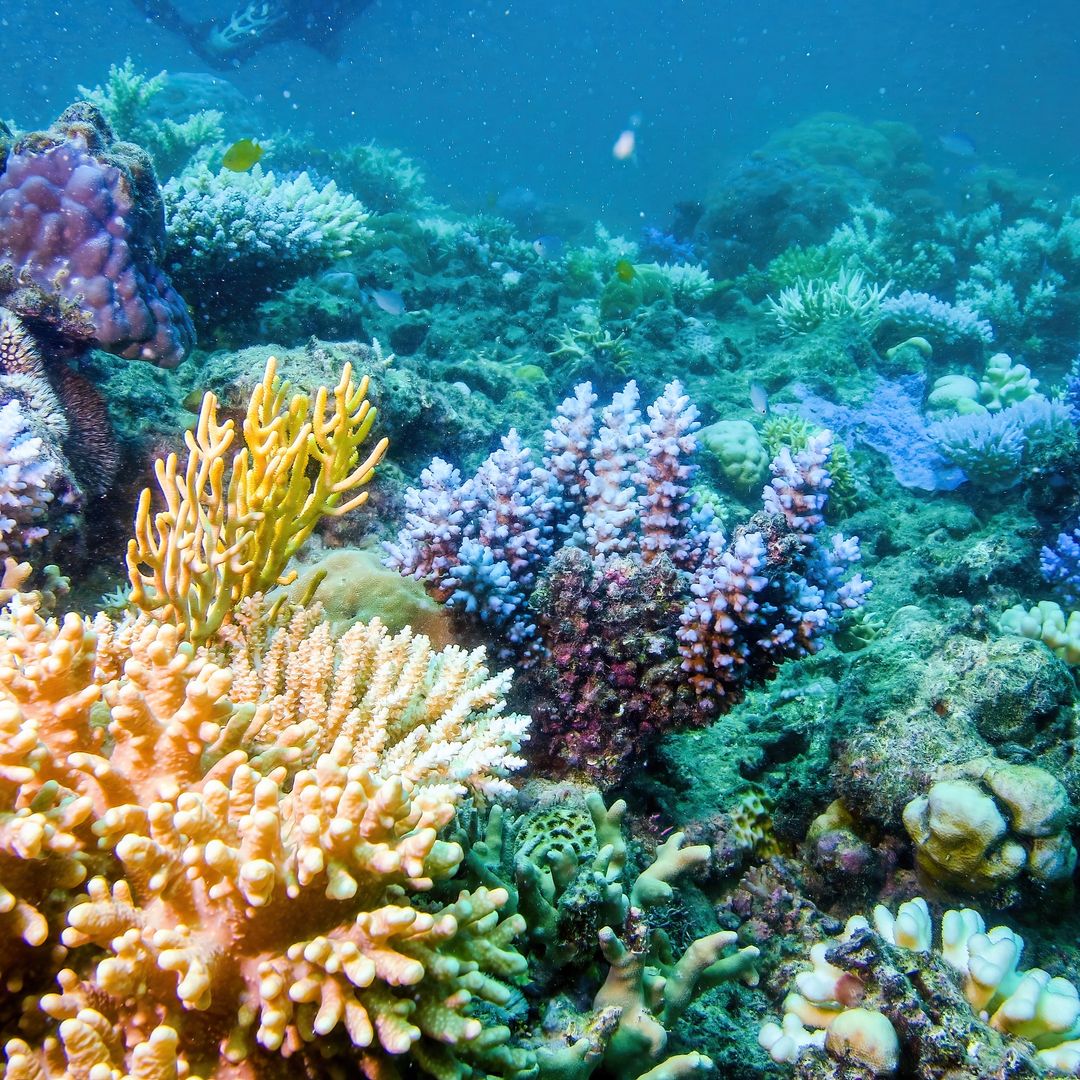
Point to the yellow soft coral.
(223, 538)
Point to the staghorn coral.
(644, 588)
(82, 237)
(250, 886)
(223, 537)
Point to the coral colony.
(366, 711)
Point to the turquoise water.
(539, 542)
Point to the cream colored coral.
(265, 869)
(1027, 1004)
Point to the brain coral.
(82, 233)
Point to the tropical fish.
(341, 283)
(759, 398)
(548, 247)
(623, 150)
(390, 300)
(242, 155)
(624, 270)
(958, 143)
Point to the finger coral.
(252, 865)
(219, 819)
(226, 536)
(962, 1009)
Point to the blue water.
(495, 96)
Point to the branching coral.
(261, 867)
(125, 101)
(240, 237)
(563, 864)
(808, 304)
(644, 587)
(224, 535)
(253, 802)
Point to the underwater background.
(539, 542)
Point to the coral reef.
(229, 842)
(644, 588)
(241, 237)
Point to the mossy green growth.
(530, 376)
(621, 298)
(794, 433)
(815, 262)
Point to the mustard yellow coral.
(221, 537)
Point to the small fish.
(548, 247)
(242, 155)
(957, 143)
(759, 398)
(624, 147)
(390, 300)
(624, 270)
(341, 283)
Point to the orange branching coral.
(221, 537)
(255, 867)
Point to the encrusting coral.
(226, 842)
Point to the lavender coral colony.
(628, 607)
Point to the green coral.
(793, 432)
(799, 263)
(814, 302)
(563, 864)
(124, 101)
(624, 296)
(738, 451)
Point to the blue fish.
(390, 300)
(957, 143)
(548, 247)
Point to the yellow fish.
(624, 270)
(242, 155)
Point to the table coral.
(82, 237)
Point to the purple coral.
(1060, 566)
(952, 322)
(82, 234)
(647, 618)
(36, 488)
